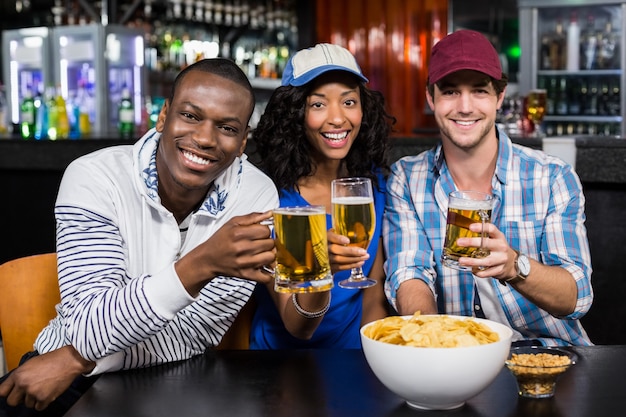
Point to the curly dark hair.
(285, 153)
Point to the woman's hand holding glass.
(354, 216)
(343, 257)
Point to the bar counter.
(334, 383)
(30, 172)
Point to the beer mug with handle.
(302, 263)
(465, 208)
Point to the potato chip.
(431, 331)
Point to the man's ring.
(268, 269)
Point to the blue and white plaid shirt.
(539, 206)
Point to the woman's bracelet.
(310, 314)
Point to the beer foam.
(300, 210)
(461, 204)
(352, 200)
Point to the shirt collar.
(225, 186)
(505, 150)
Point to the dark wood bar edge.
(334, 383)
(30, 172)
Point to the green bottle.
(28, 116)
(126, 116)
(53, 114)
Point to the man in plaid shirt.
(537, 277)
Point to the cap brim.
(314, 73)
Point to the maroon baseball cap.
(463, 50)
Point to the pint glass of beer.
(465, 208)
(302, 250)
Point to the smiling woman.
(323, 123)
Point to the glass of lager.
(353, 215)
(465, 208)
(536, 109)
(301, 250)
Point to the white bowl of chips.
(435, 362)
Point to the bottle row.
(48, 117)
(51, 116)
(523, 116)
(259, 34)
(268, 14)
(581, 128)
(173, 48)
(574, 47)
(579, 95)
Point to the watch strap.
(518, 275)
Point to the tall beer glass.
(301, 250)
(353, 216)
(465, 208)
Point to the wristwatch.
(522, 268)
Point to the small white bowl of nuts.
(537, 369)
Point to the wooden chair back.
(29, 291)
(238, 336)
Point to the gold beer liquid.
(354, 217)
(458, 226)
(302, 253)
(536, 106)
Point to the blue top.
(539, 206)
(341, 324)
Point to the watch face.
(524, 265)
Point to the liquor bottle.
(199, 11)
(176, 57)
(614, 101)
(591, 107)
(588, 44)
(208, 11)
(575, 100)
(188, 10)
(27, 116)
(63, 122)
(604, 99)
(583, 94)
(607, 45)
(558, 48)
(245, 13)
(544, 52)
(573, 44)
(561, 106)
(43, 115)
(52, 122)
(228, 13)
(83, 107)
(237, 13)
(4, 111)
(218, 12)
(126, 115)
(551, 96)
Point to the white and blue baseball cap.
(307, 64)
